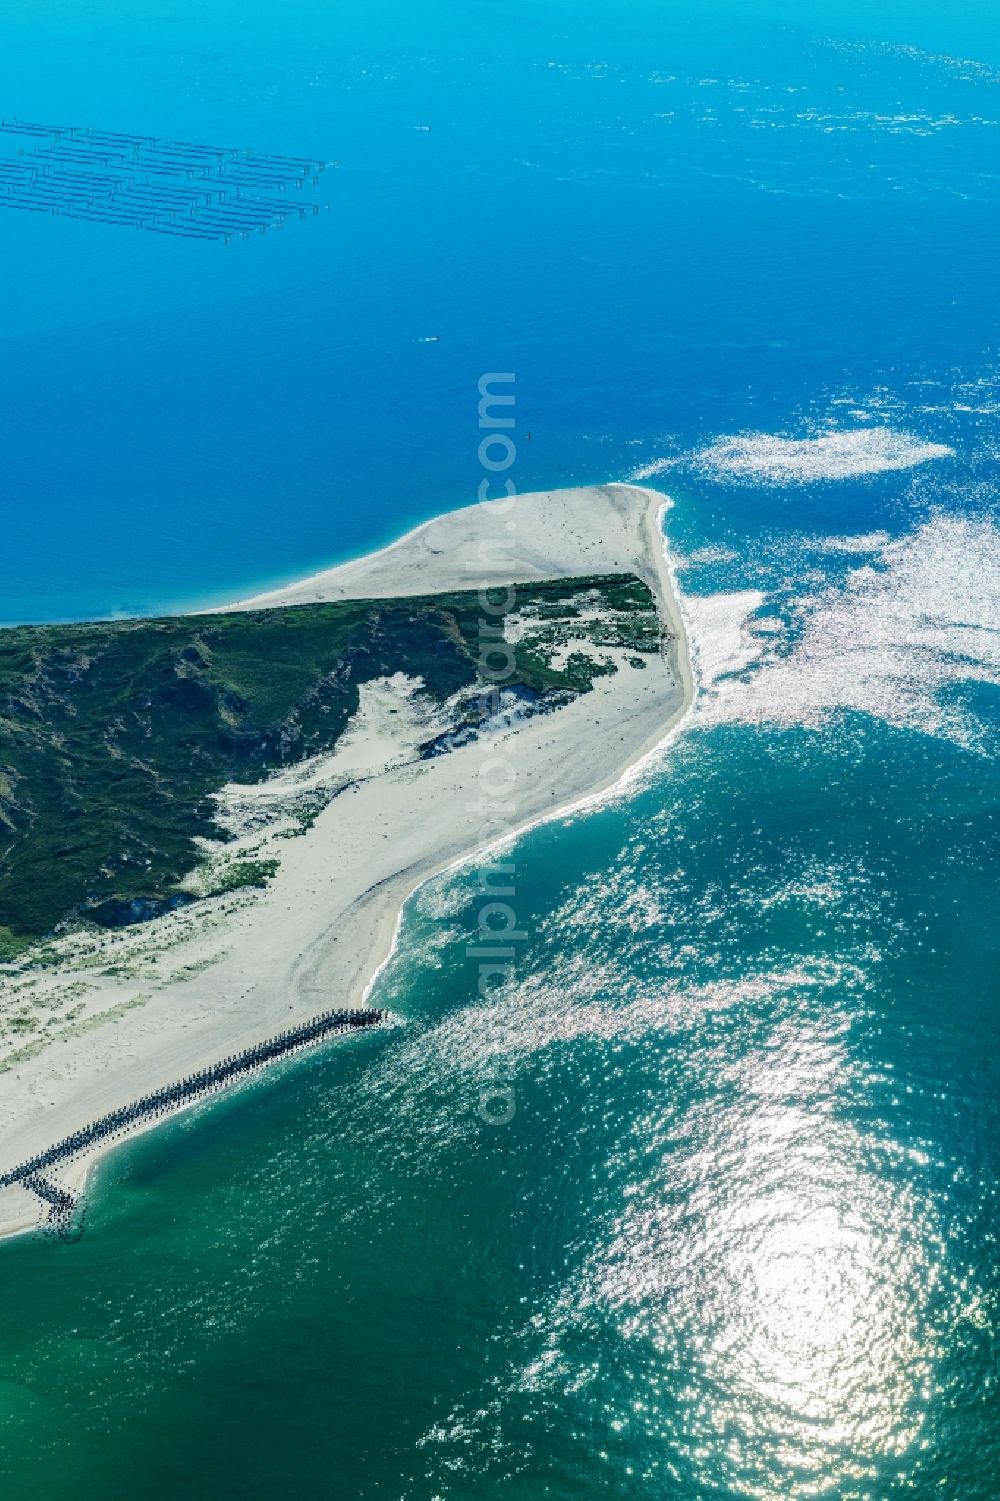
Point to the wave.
(657, 466)
(894, 638)
(833, 455)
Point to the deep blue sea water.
(671, 221)
(739, 1237)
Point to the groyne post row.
(30, 1174)
(152, 182)
(62, 1208)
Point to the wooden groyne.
(172, 1097)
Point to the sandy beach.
(221, 975)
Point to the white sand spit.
(224, 974)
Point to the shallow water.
(738, 1236)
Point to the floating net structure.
(157, 183)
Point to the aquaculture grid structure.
(172, 187)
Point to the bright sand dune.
(229, 972)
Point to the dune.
(223, 975)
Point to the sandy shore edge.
(618, 781)
(558, 534)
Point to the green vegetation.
(114, 735)
(11, 945)
(242, 875)
(613, 612)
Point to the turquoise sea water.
(738, 1237)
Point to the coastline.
(323, 932)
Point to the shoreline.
(340, 884)
(593, 799)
